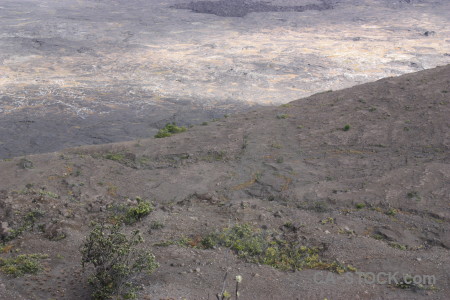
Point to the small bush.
(360, 205)
(378, 237)
(328, 220)
(398, 246)
(116, 261)
(169, 129)
(392, 212)
(136, 213)
(115, 156)
(25, 164)
(346, 127)
(130, 214)
(282, 116)
(413, 195)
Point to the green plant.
(329, 220)
(398, 246)
(276, 145)
(392, 212)
(114, 156)
(214, 156)
(319, 206)
(282, 116)
(116, 261)
(130, 214)
(413, 195)
(378, 237)
(346, 127)
(204, 123)
(43, 192)
(360, 205)
(169, 129)
(135, 213)
(244, 142)
(22, 264)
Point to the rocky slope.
(373, 194)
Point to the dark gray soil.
(240, 8)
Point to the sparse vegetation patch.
(265, 247)
(169, 129)
(22, 264)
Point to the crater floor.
(89, 72)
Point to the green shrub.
(135, 213)
(122, 213)
(392, 212)
(346, 127)
(115, 156)
(282, 116)
(169, 129)
(398, 246)
(116, 260)
(360, 205)
(413, 195)
(327, 220)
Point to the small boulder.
(5, 231)
(54, 232)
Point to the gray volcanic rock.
(76, 72)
